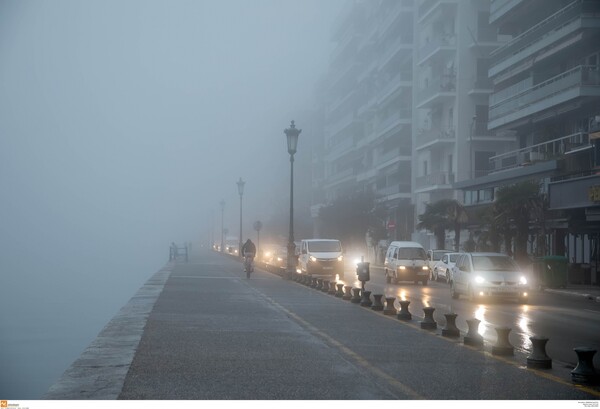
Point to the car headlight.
(425, 268)
(340, 258)
(313, 258)
(279, 259)
(523, 280)
(402, 267)
(479, 280)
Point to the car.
(321, 257)
(443, 267)
(433, 256)
(276, 257)
(406, 261)
(488, 275)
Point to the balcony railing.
(425, 136)
(576, 77)
(435, 179)
(403, 78)
(394, 189)
(544, 151)
(500, 7)
(399, 115)
(447, 41)
(403, 42)
(436, 86)
(541, 35)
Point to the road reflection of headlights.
(523, 280)
(479, 280)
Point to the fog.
(122, 126)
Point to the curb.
(588, 296)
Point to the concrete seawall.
(100, 371)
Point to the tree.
(513, 207)
(441, 215)
(349, 218)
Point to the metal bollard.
(355, 296)
(538, 358)
(314, 283)
(404, 314)
(377, 305)
(332, 287)
(347, 292)
(584, 372)
(503, 346)
(428, 322)
(389, 306)
(319, 286)
(366, 299)
(340, 290)
(450, 330)
(473, 337)
(325, 286)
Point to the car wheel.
(453, 292)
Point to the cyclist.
(249, 252)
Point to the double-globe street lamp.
(292, 142)
(240, 185)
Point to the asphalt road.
(567, 322)
(213, 334)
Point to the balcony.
(391, 18)
(431, 8)
(436, 91)
(429, 137)
(433, 181)
(578, 82)
(437, 46)
(343, 123)
(482, 86)
(541, 152)
(401, 43)
(401, 116)
(402, 79)
(553, 29)
(401, 188)
(499, 8)
(384, 159)
(574, 193)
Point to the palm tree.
(513, 205)
(442, 215)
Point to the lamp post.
(292, 142)
(240, 185)
(222, 203)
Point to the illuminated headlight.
(479, 280)
(402, 267)
(268, 254)
(279, 259)
(313, 258)
(523, 280)
(340, 258)
(236, 251)
(425, 268)
(356, 261)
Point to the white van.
(406, 261)
(321, 257)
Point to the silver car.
(484, 275)
(443, 267)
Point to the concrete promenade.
(203, 331)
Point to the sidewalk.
(590, 292)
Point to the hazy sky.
(123, 123)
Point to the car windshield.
(437, 255)
(324, 246)
(411, 253)
(453, 258)
(494, 263)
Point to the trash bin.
(551, 271)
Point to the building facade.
(546, 83)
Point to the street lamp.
(240, 185)
(292, 142)
(222, 203)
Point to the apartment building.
(452, 142)
(367, 99)
(546, 90)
